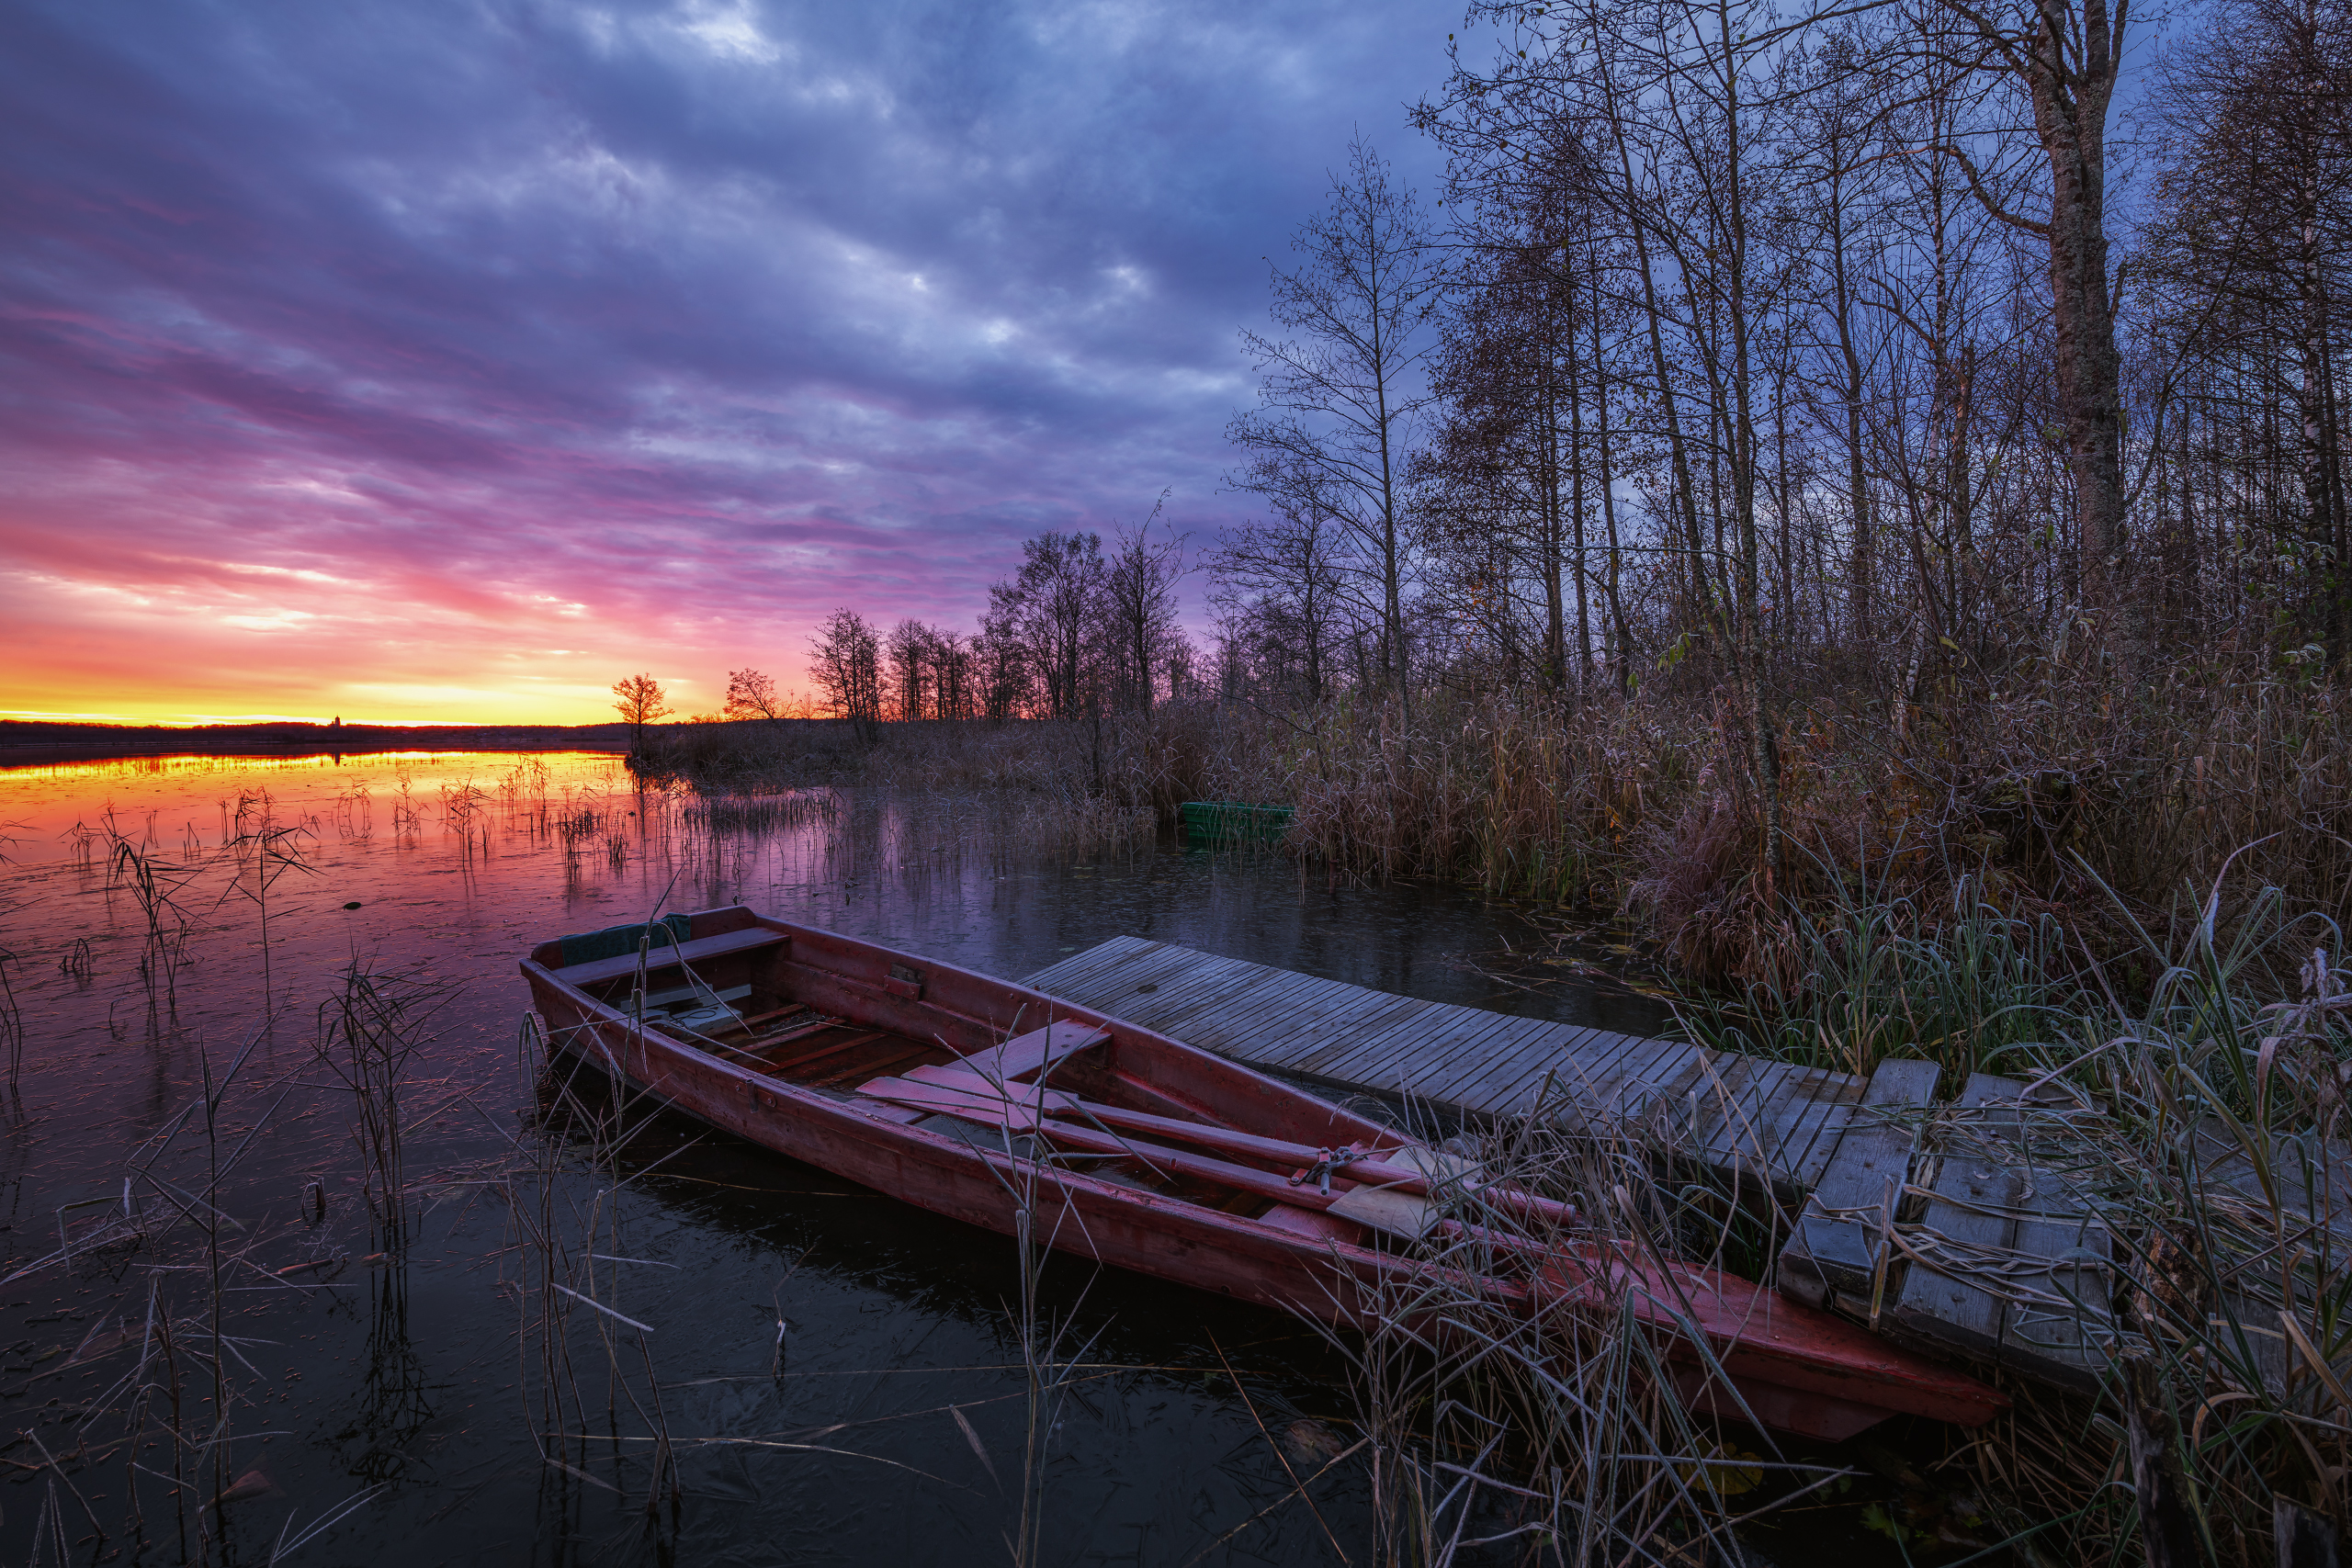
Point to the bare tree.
(2247, 255)
(909, 648)
(1052, 607)
(2065, 55)
(1338, 399)
(639, 700)
(1139, 608)
(846, 663)
(951, 667)
(752, 695)
(1279, 580)
(1001, 669)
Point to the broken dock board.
(1971, 1212)
(2061, 1329)
(1835, 1146)
(1834, 1254)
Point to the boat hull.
(1312, 1272)
(1742, 1350)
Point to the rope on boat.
(1327, 1161)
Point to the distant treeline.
(299, 737)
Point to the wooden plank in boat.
(1975, 1194)
(842, 1073)
(820, 1049)
(1397, 1213)
(670, 955)
(1035, 1051)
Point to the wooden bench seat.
(1026, 1055)
(669, 956)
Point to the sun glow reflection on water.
(405, 1379)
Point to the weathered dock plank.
(1835, 1249)
(1838, 1148)
(1973, 1209)
(1737, 1112)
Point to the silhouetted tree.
(639, 700)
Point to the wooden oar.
(1371, 1172)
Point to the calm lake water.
(173, 1148)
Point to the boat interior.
(1056, 1093)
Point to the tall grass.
(2200, 1118)
(1557, 1435)
(2068, 792)
(369, 1032)
(1866, 976)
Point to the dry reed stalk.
(2041, 795)
(12, 1020)
(367, 1035)
(1557, 1431)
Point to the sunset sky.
(426, 361)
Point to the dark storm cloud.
(778, 306)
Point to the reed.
(408, 818)
(12, 1021)
(1554, 1437)
(2036, 793)
(761, 813)
(355, 813)
(137, 864)
(368, 1034)
(466, 812)
(265, 850)
(565, 1228)
(1867, 975)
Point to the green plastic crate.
(1234, 822)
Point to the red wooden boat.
(960, 1093)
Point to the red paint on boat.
(943, 1043)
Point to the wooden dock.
(1832, 1152)
(1746, 1117)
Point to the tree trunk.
(2070, 118)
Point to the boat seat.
(950, 1092)
(1025, 1055)
(670, 955)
